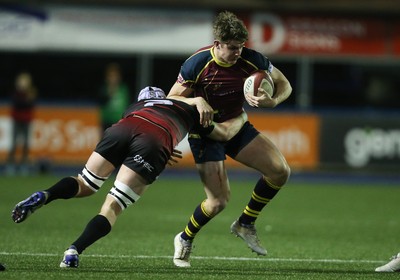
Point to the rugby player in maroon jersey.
(217, 74)
(140, 145)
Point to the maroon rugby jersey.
(176, 117)
(221, 85)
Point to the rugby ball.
(258, 79)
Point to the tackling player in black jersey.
(140, 145)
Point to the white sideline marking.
(201, 258)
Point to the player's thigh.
(262, 155)
(215, 179)
(132, 179)
(98, 165)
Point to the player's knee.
(221, 205)
(280, 175)
(91, 180)
(123, 195)
(217, 205)
(284, 173)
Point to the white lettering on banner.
(56, 135)
(302, 33)
(313, 41)
(47, 135)
(291, 141)
(80, 137)
(101, 29)
(18, 31)
(337, 27)
(13, 24)
(361, 145)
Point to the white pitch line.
(201, 258)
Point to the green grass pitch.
(312, 230)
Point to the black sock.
(199, 219)
(66, 188)
(98, 227)
(262, 194)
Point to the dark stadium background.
(327, 85)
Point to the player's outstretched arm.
(181, 93)
(226, 130)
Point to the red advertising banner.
(396, 40)
(271, 33)
(122, 30)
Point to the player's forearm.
(181, 93)
(284, 89)
(282, 86)
(192, 101)
(228, 129)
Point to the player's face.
(229, 52)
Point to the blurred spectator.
(22, 112)
(114, 96)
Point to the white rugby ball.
(258, 79)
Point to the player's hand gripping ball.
(258, 79)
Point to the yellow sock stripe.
(204, 210)
(188, 232)
(193, 221)
(255, 212)
(260, 199)
(251, 212)
(275, 187)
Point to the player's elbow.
(287, 89)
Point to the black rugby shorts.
(138, 144)
(205, 149)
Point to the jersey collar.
(219, 62)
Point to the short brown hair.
(227, 27)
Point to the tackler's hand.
(175, 157)
(206, 112)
